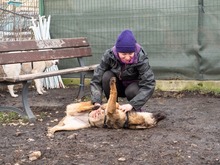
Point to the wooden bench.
(32, 50)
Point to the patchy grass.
(41, 115)
(8, 117)
(13, 117)
(189, 85)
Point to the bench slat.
(26, 77)
(43, 44)
(22, 57)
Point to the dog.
(13, 70)
(85, 114)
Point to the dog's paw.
(112, 80)
(40, 93)
(14, 95)
(11, 91)
(43, 91)
(50, 135)
(50, 132)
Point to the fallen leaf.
(121, 159)
(34, 155)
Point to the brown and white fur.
(82, 115)
(13, 70)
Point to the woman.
(128, 62)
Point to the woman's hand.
(125, 107)
(97, 104)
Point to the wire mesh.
(15, 19)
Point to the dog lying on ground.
(14, 70)
(85, 114)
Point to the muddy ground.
(190, 135)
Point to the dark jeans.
(129, 92)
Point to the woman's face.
(126, 57)
(96, 117)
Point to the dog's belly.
(76, 121)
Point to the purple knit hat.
(126, 42)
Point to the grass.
(189, 85)
(9, 117)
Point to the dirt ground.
(190, 135)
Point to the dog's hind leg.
(74, 108)
(87, 106)
(11, 91)
(39, 86)
(12, 70)
(52, 130)
(67, 124)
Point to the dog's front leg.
(111, 105)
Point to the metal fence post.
(41, 7)
(200, 36)
(200, 20)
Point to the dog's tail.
(159, 116)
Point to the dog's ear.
(50, 63)
(159, 116)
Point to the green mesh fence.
(181, 37)
(15, 19)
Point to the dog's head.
(50, 63)
(96, 117)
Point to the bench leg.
(25, 103)
(12, 109)
(81, 94)
(26, 113)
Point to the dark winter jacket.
(139, 70)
